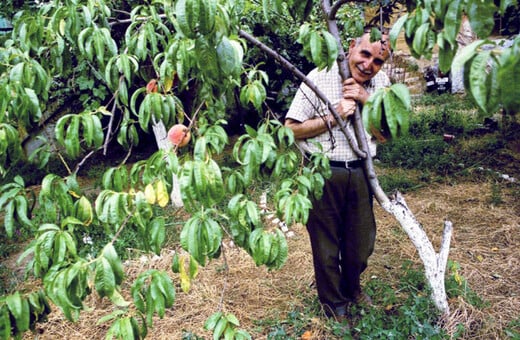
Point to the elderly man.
(341, 224)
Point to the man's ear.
(352, 44)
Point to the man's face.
(366, 58)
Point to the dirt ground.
(485, 242)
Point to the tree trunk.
(161, 137)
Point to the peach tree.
(125, 68)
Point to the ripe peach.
(179, 135)
(151, 86)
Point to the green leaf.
(9, 219)
(504, 4)
(420, 39)
(165, 285)
(465, 54)
(446, 55)
(315, 45)
(110, 254)
(509, 77)
(212, 320)
(228, 58)
(396, 30)
(186, 14)
(392, 110)
(207, 16)
(478, 79)
(481, 16)
(157, 234)
(19, 308)
(105, 281)
(14, 302)
(372, 110)
(5, 322)
(452, 22)
(332, 49)
(220, 328)
(402, 92)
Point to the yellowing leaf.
(84, 211)
(149, 194)
(185, 278)
(458, 278)
(74, 194)
(161, 194)
(168, 83)
(62, 27)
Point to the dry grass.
(485, 242)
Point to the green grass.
(401, 311)
(425, 150)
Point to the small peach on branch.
(179, 135)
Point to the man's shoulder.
(380, 80)
(324, 72)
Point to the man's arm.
(318, 125)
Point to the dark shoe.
(338, 314)
(361, 298)
(342, 319)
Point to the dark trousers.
(342, 232)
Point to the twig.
(127, 217)
(109, 128)
(80, 164)
(64, 163)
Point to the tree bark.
(161, 137)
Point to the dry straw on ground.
(485, 242)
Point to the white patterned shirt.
(306, 105)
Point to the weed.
(457, 285)
(445, 100)
(408, 311)
(513, 329)
(295, 323)
(496, 195)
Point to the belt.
(358, 163)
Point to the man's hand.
(355, 91)
(346, 108)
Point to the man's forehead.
(379, 46)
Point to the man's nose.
(367, 64)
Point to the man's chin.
(361, 79)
